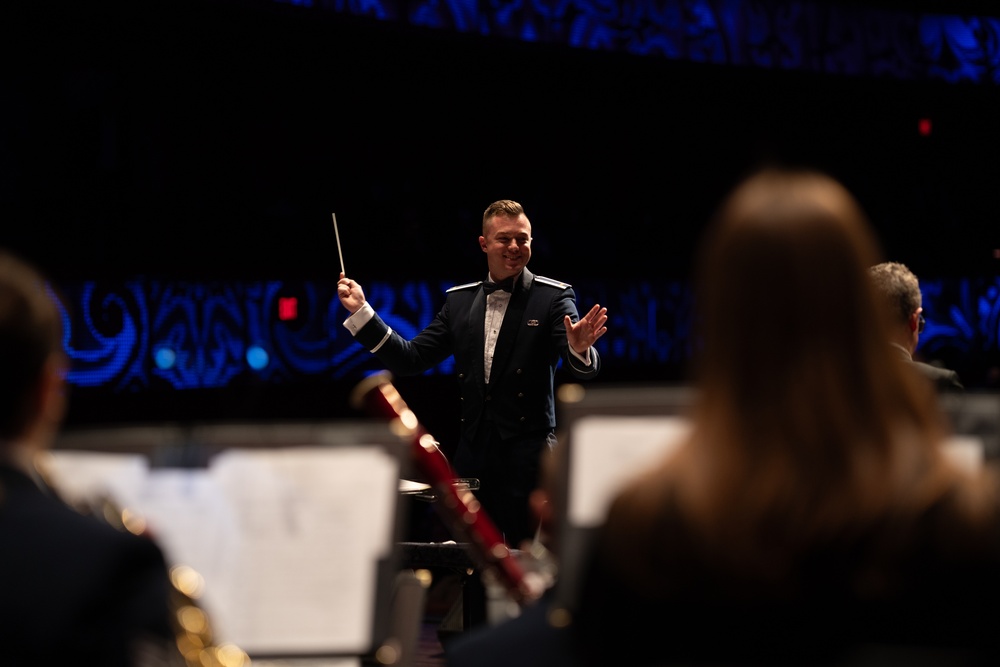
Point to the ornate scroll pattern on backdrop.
(201, 327)
(188, 335)
(140, 335)
(649, 325)
(963, 327)
(104, 334)
(771, 34)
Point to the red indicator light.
(924, 127)
(288, 308)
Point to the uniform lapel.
(477, 336)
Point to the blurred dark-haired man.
(77, 590)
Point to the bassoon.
(458, 507)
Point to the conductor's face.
(507, 245)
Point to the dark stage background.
(207, 141)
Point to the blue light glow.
(165, 358)
(849, 40)
(196, 331)
(257, 357)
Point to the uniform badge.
(532, 323)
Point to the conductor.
(508, 335)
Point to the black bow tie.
(506, 285)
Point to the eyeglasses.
(921, 323)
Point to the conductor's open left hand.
(585, 332)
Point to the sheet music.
(308, 662)
(314, 523)
(193, 521)
(607, 450)
(287, 540)
(965, 451)
(81, 477)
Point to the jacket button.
(489, 397)
(520, 394)
(461, 376)
(522, 418)
(519, 371)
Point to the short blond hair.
(506, 208)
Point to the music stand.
(607, 434)
(298, 545)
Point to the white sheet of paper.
(313, 523)
(609, 449)
(81, 476)
(193, 521)
(308, 662)
(965, 451)
(606, 451)
(287, 540)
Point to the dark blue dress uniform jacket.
(77, 591)
(520, 396)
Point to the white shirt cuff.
(584, 359)
(359, 318)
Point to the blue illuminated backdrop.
(795, 35)
(161, 338)
(184, 335)
(217, 142)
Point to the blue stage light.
(165, 358)
(257, 357)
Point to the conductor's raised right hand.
(350, 294)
